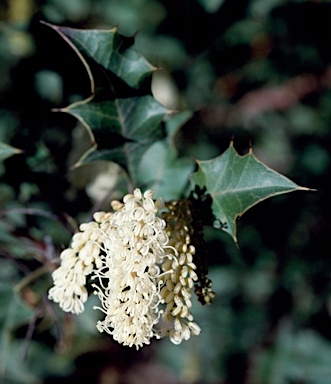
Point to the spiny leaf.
(122, 129)
(7, 151)
(120, 156)
(237, 183)
(129, 118)
(111, 50)
(121, 116)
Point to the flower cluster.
(140, 263)
(134, 245)
(181, 275)
(77, 262)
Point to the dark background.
(255, 71)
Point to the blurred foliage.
(257, 71)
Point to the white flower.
(77, 262)
(181, 276)
(179, 283)
(142, 269)
(134, 246)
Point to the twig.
(34, 275)
(29, 333)
(66, 220)
(53, 316)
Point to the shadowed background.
(257, 71)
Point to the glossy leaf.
(237, 183)
(133, 122)
(134, 119)
(121, 116)
(113, 51)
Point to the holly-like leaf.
(113, 51)
(7, 151)
(121, 116)
(237, 183)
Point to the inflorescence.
(141, 260)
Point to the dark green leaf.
(113, 51)
(122, 119)
(136, 120)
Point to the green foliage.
(125, 126)
(136, 121)
(237, 183)
(14, 314)
(255, 71)
(112, 51)
(292, 350)
(128, 119)
(161, 169)
(211, 5)
(7, 151)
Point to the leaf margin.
(221, 220)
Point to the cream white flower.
(77, 262)
(179, 282)
(142, 270)
(135, 244)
